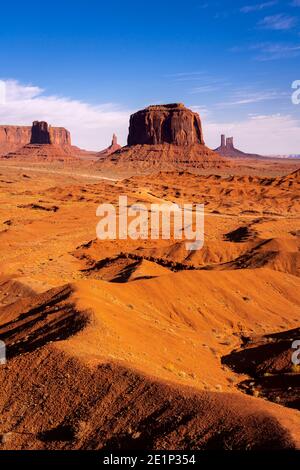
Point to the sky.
(87, 65)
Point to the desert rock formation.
(165, 124)
(14, 137)
(163, 137)
(42, 133)
(227, 149)
(46, 144)
(114, 146)
(102, 333)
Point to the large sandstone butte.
(163, 137)
(165, 124)
(14, 137)
(45, 144)
(42, 133)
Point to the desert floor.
(143, 344)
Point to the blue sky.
(88, 64)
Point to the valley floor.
(142, 344)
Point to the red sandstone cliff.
(14, 137)
(46, 144)
(165, 124)
(163, 137)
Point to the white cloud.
(185, 74)
(17, 92)
(203, 6)
(278, 22)
(257, 6)
(201, 110)
(275, 51)
(267, 135)
(242, 97)
(204, 89)
(270, 50)
(91, 126)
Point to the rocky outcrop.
(165, 124)
(227, 149)
(60, 136)
(40, 133)
(43, 153)
(14, 137)
(114, 143)
(139, 159)
(163, 138)
(111, 149)
(46, 144)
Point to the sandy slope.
(102, 338)
(101, 363)
(50, 400)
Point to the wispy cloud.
(203, 5)
(186, 75)
(279, 22)
(222, 15)
(201, 110)
(275, 51)
(276, 134)
(244, 97)
(205, 89)
(258, 6)
(189, 76)
(295, 3)
(91, 126)
(195, 78)
(266, 51)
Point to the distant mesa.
(15, 137)
(114, 146)
(163, 137)
(42, 133)
(46, 143)
(227, 149)
(293, 156)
